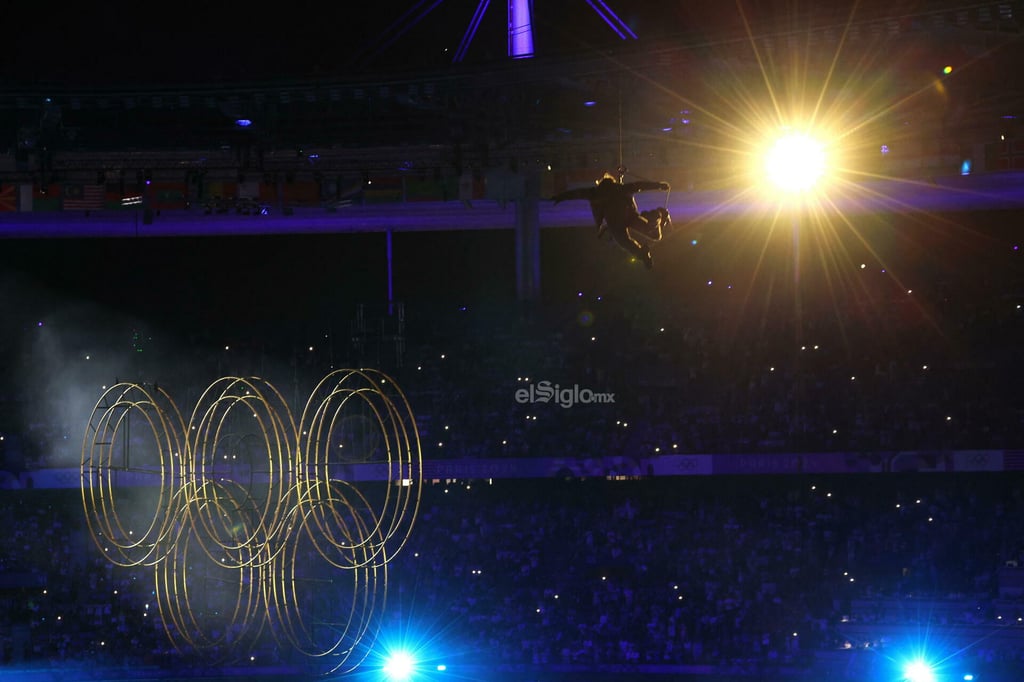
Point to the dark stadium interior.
(303, 370)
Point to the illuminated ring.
(321, 501)
(297, 594)
(231, 411)
(220, 514)
(342, 525)
(267, 534)
(401, 454)
(106, 462)
(204, 617)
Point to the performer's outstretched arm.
(645, 185)
(577, 193)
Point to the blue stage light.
(918, 671)
(399, 666)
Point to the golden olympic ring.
(251, 523)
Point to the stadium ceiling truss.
(388, 119)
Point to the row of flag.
(494, 184)
(77, 196)
(80, 197)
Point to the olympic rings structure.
(241, 513)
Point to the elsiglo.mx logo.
(563, 396)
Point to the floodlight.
(918, 671)
(399, 666)
(794, 163)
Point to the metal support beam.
(527, 232)
(391, 273)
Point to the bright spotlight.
(794, 163)
(918, 671)
(399, 666)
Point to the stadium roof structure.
(660, 78)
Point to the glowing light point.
(947, 70)
(399, 666)
(919, 671)
(795, 163)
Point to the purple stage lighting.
(520, 29)
(612, 19)
(474, 24)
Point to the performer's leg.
(646, 224)
(631, 246)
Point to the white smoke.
(68, 355)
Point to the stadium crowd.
(679, 571)
(688, 571)
(855, 358)
(680, 388)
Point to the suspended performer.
(614, 208)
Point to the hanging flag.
(302, 193)
(268, 191)
(223, 190)
(46, 197)
(8, 198)
(83, 197)
(248, 189)
(117, 197)
(25, 198)
(168, 195)
(426, 189)
(384, 189)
